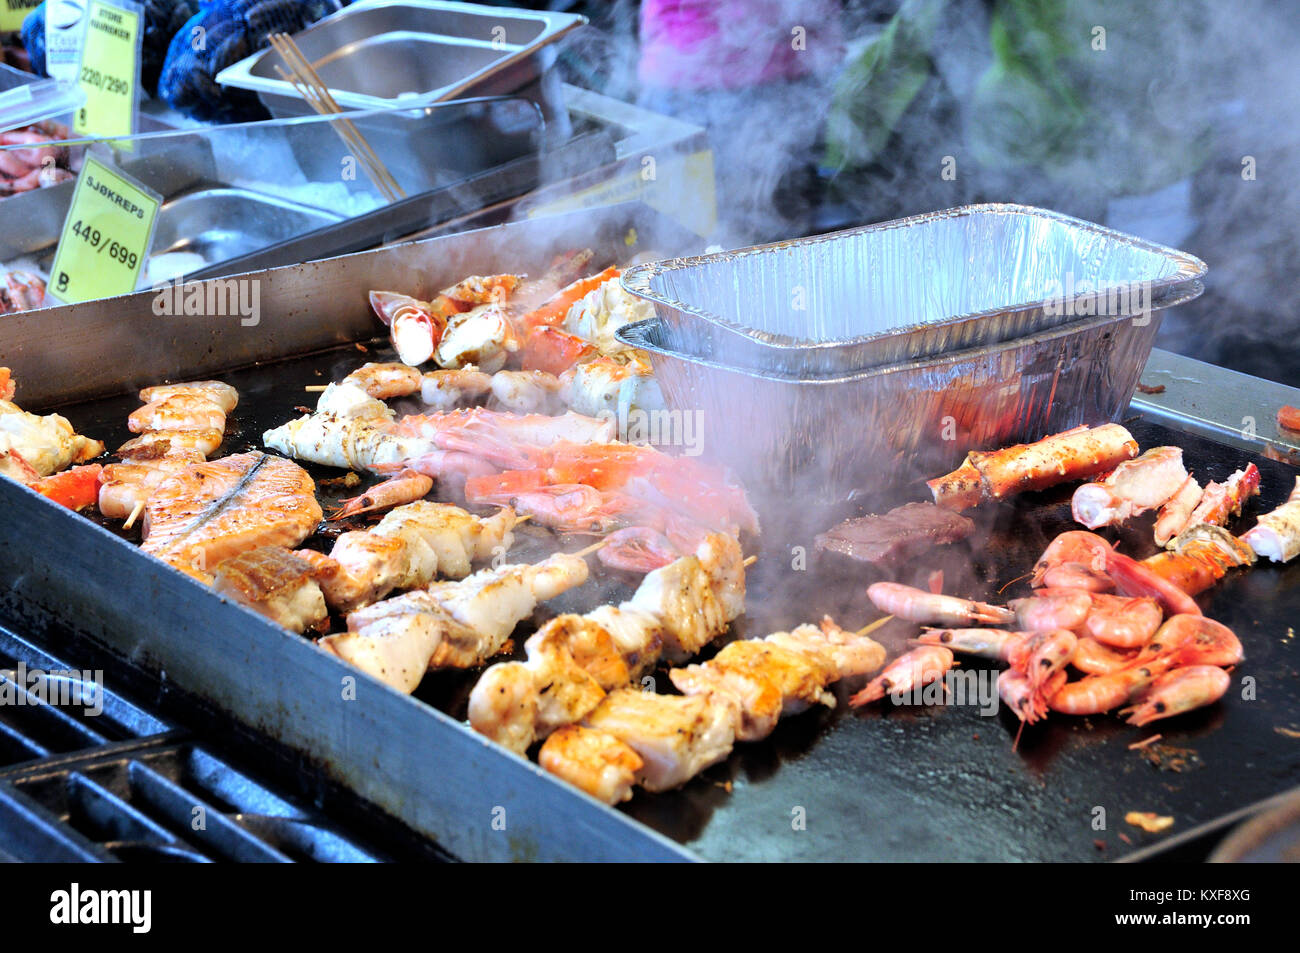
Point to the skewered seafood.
(995, 475)
(126, 486)
(661, 741)
(179, 411)
(675, 611)
(1276, 535)
(676, 737)
(408, 548)
(407, 487)
(450, 624)
(207, 512)
(274, 582)
(178, 426)
(221, 394)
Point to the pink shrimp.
(1049, 609)
(637, 549)
(1123, 622)
(915, 669)
(1100, 693)
(1017, 693)
(407, 487)
(1081, 551)
(571, 508)
(1194, 640)
(1094, 658)
(1179, 691)
(1042, 655)
(995, 644)
(917, 605)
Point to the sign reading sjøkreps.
(105, 237)
(110, 69)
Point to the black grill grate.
(120, 784)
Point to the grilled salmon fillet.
(208, 512)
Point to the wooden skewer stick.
(750, 561)
(135, 514)
(591, 549)
(867, 629)
(304, 78)
(315, 388)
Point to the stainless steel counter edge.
(1224, 405)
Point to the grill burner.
(125, 785)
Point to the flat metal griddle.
(936, 783)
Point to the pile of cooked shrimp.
(1137, 643)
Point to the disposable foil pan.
(867, 297)
(825, 440)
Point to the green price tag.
(105, 237)
(110, 70)
(14, 12)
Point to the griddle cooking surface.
(942, 782)
(936, 783)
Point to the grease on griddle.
(1170, 758)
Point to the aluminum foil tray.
(826, 440)
(917, 287)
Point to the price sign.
(14, 12)
(105, 237)
(110, 69)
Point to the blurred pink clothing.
(729, 44)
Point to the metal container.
(867, 297)
(223, 223)
(827, 439)
(377, 54)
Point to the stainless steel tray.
(376, 54)
(223, 223)
(828, 439)
(926, 285)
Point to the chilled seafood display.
(21, 291)
(38, 163)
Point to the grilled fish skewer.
(407, 549)
(450, 624)
(573, 660)
(661, 741)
